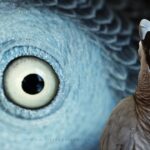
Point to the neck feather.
(142, 100)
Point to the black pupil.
(33, 84)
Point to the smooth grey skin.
(123, 130)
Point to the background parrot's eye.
(30, 82)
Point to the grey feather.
(121, 133)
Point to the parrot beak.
(144, 27)
(144, 31)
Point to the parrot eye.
(30, 82)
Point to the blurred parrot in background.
(88, 49)
(128, 127)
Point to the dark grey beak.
(144, 27)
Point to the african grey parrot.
(91, 45)
(128, 127)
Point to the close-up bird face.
(64, 65)
(50, 91)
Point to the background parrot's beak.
(144, 27)
(144, 31)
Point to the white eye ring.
(30, 82)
